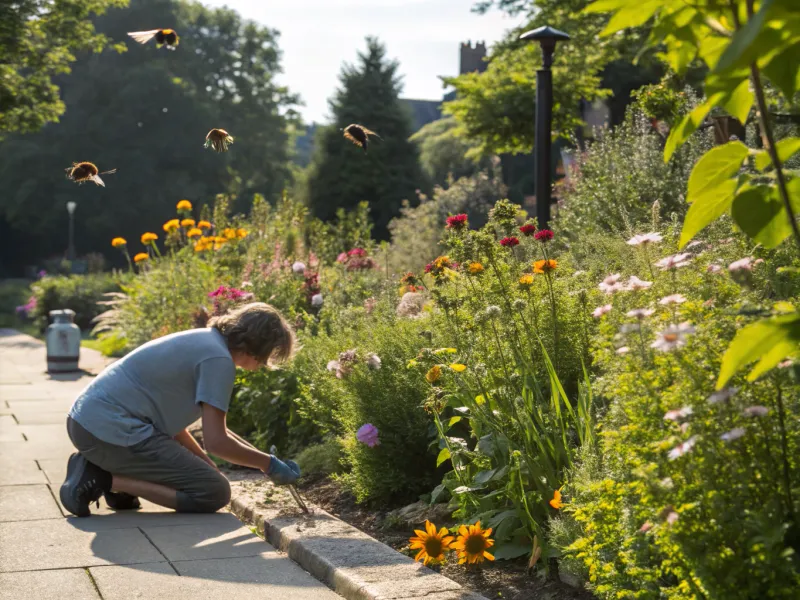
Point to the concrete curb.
(347, 560)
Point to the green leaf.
(740, 101)
(443, 456)
(769, 341)
(605, 6)
(632, 15)
(707, 209)
(783, 70)
(438, 492)
(786, 148)
(453, 421)
(714, 167)
(759, 212)
(688, 125)
(743, 39)
(511, 550)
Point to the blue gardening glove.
(282, 473)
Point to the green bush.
(321, 459)
(80, 293)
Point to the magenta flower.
(342, 257)
(368, 434)
(359, 252)
(528, 230)
(545, 235)
(509, 242)
(457, 222)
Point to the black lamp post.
(547, 37)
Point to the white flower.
(694, 244)
(333, 365)
(674, 261)
(674, 336)
(601, 310)
(667, 483)
(611, 284)
(373, 361)
(743, 264)
(672, 518)
(722, 395)
(298, 267)
(635, 284)
(246, 284)
(645, 238)
(683, 448)
(640, 313)
(677, 415)
(410, 305)
(673, 299)
(623, 350)
(493, 311)
(755, 411)
(316, 300)
(733, 434)
(578, 273)
(713, 268)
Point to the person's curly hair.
(257, 329)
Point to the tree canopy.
(341, 175)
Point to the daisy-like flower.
(188, 223)
(298, 267)
(203, 244)
(118, 242)
(672, 517)
(640, 313)
(695, 244)
(474, 268)
(172, 225)
(433, 374)
(509, 242)
(646, 527)
(722, 395)
(677, 415)
(142, 256)
(555, 502)
(623, 350)
(194, 232)
(755, 411)
(472, 544)
(743, 264)
(682, 448)
(456, 222)
(635, 284)
(528, 230)
(184, 205)
(545, 266)
(675, 261)
(543, 235)
(148, 238)
(713, 268)
(431, 544)
(674, 336)
(611, 284)
(526, 280)
(458, 368)
(241, 233)
(204, 224)
(229, 233)
(672, 299)
(733, 434)
(601, 310)
(645, 238)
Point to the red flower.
(457, 222)
(528, 230)
(357, 252)
(509, 242)
(545, 235)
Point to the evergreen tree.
(341, 175)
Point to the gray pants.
(158, 459)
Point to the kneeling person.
(129, 424)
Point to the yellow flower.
(475, 268)
(184, 205)
(433, 374)
(556, 501)
(229, 233)
(526, 280)
(118, 242)
(220, 240)
(544, 266)
(171, 225)
(458, 368)
(203, 244)
(241, 233)
(148, 238)
(187, 223)
(140, 257)
(472, 544)
(204, 225)
(194, 232)
(430, 543)
(442, 262)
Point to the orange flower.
(171, 225)
(194, 232)
(472, 544)
(203, 244)
(140, 257)
(118, 242)
(241, 233)
(204, 225)
(184, 205)
(431, 544)
(544, 266)
(229, 233)
(526, 280)
(148, 237)
(556, 501)
(475, 268)
(187, 223)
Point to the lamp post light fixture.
(547, 38)
(71, 206)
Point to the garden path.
(152, 553)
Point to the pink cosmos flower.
(636, 284)
(640, 313)
(672, 299)
(368, 434)
(645, 238)
(623, 350)
(713, 268)
(677, 415)
(755, 411)
(342, 257)
(722, 395)
(743, 264)
(733, 434)
(611, 284)
(683, 448)
(674, 336)
(675, 261)
(601, 310)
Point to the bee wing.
(352, 139)
(108, 172)
(97, 180)
(368, 132)
(143, 36)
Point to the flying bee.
(86, 171)
(359, 135)
(164, 37)
(219, 140)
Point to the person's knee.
(217, 495)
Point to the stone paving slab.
(35, 450)
(46, 433)
(150, 516)
(27, 503)
(24, 392)
(263, 577)
(9, 429)
(56, 544)
(222, 538)
(69, 584)
(40, 406)
(28, 416)
(15, 471)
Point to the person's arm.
(187, 441)
(220, 443)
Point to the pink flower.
(368, 434)
(733, 434)
(677, 415)
(457, 222)
(644, 239)
(673, 299)
(611, 284)
(683, 448)
(672, 517)
(755, 411)
(370, 304)
(675, 261)
(640, 313)
(509, 242)
(635, 284)
(601, 310)
(342, 257)
(743, 264)
(359, 252)
(623, 350)
(674, 336)
(646, 527)
(712, 268)
(544, 235)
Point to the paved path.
(152, 553)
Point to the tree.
(146, 112)
(341, 174)
(38, 41)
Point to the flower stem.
(784, 449)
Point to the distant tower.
(472, 58)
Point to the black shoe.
(85, 483)
(121, 501)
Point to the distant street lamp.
(547, 38)
(71, 206)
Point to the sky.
(317, 36)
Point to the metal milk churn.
(63, 342)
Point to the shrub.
(321, 459)
(80, 293)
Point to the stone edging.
(350, 562)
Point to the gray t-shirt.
(158, 388)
